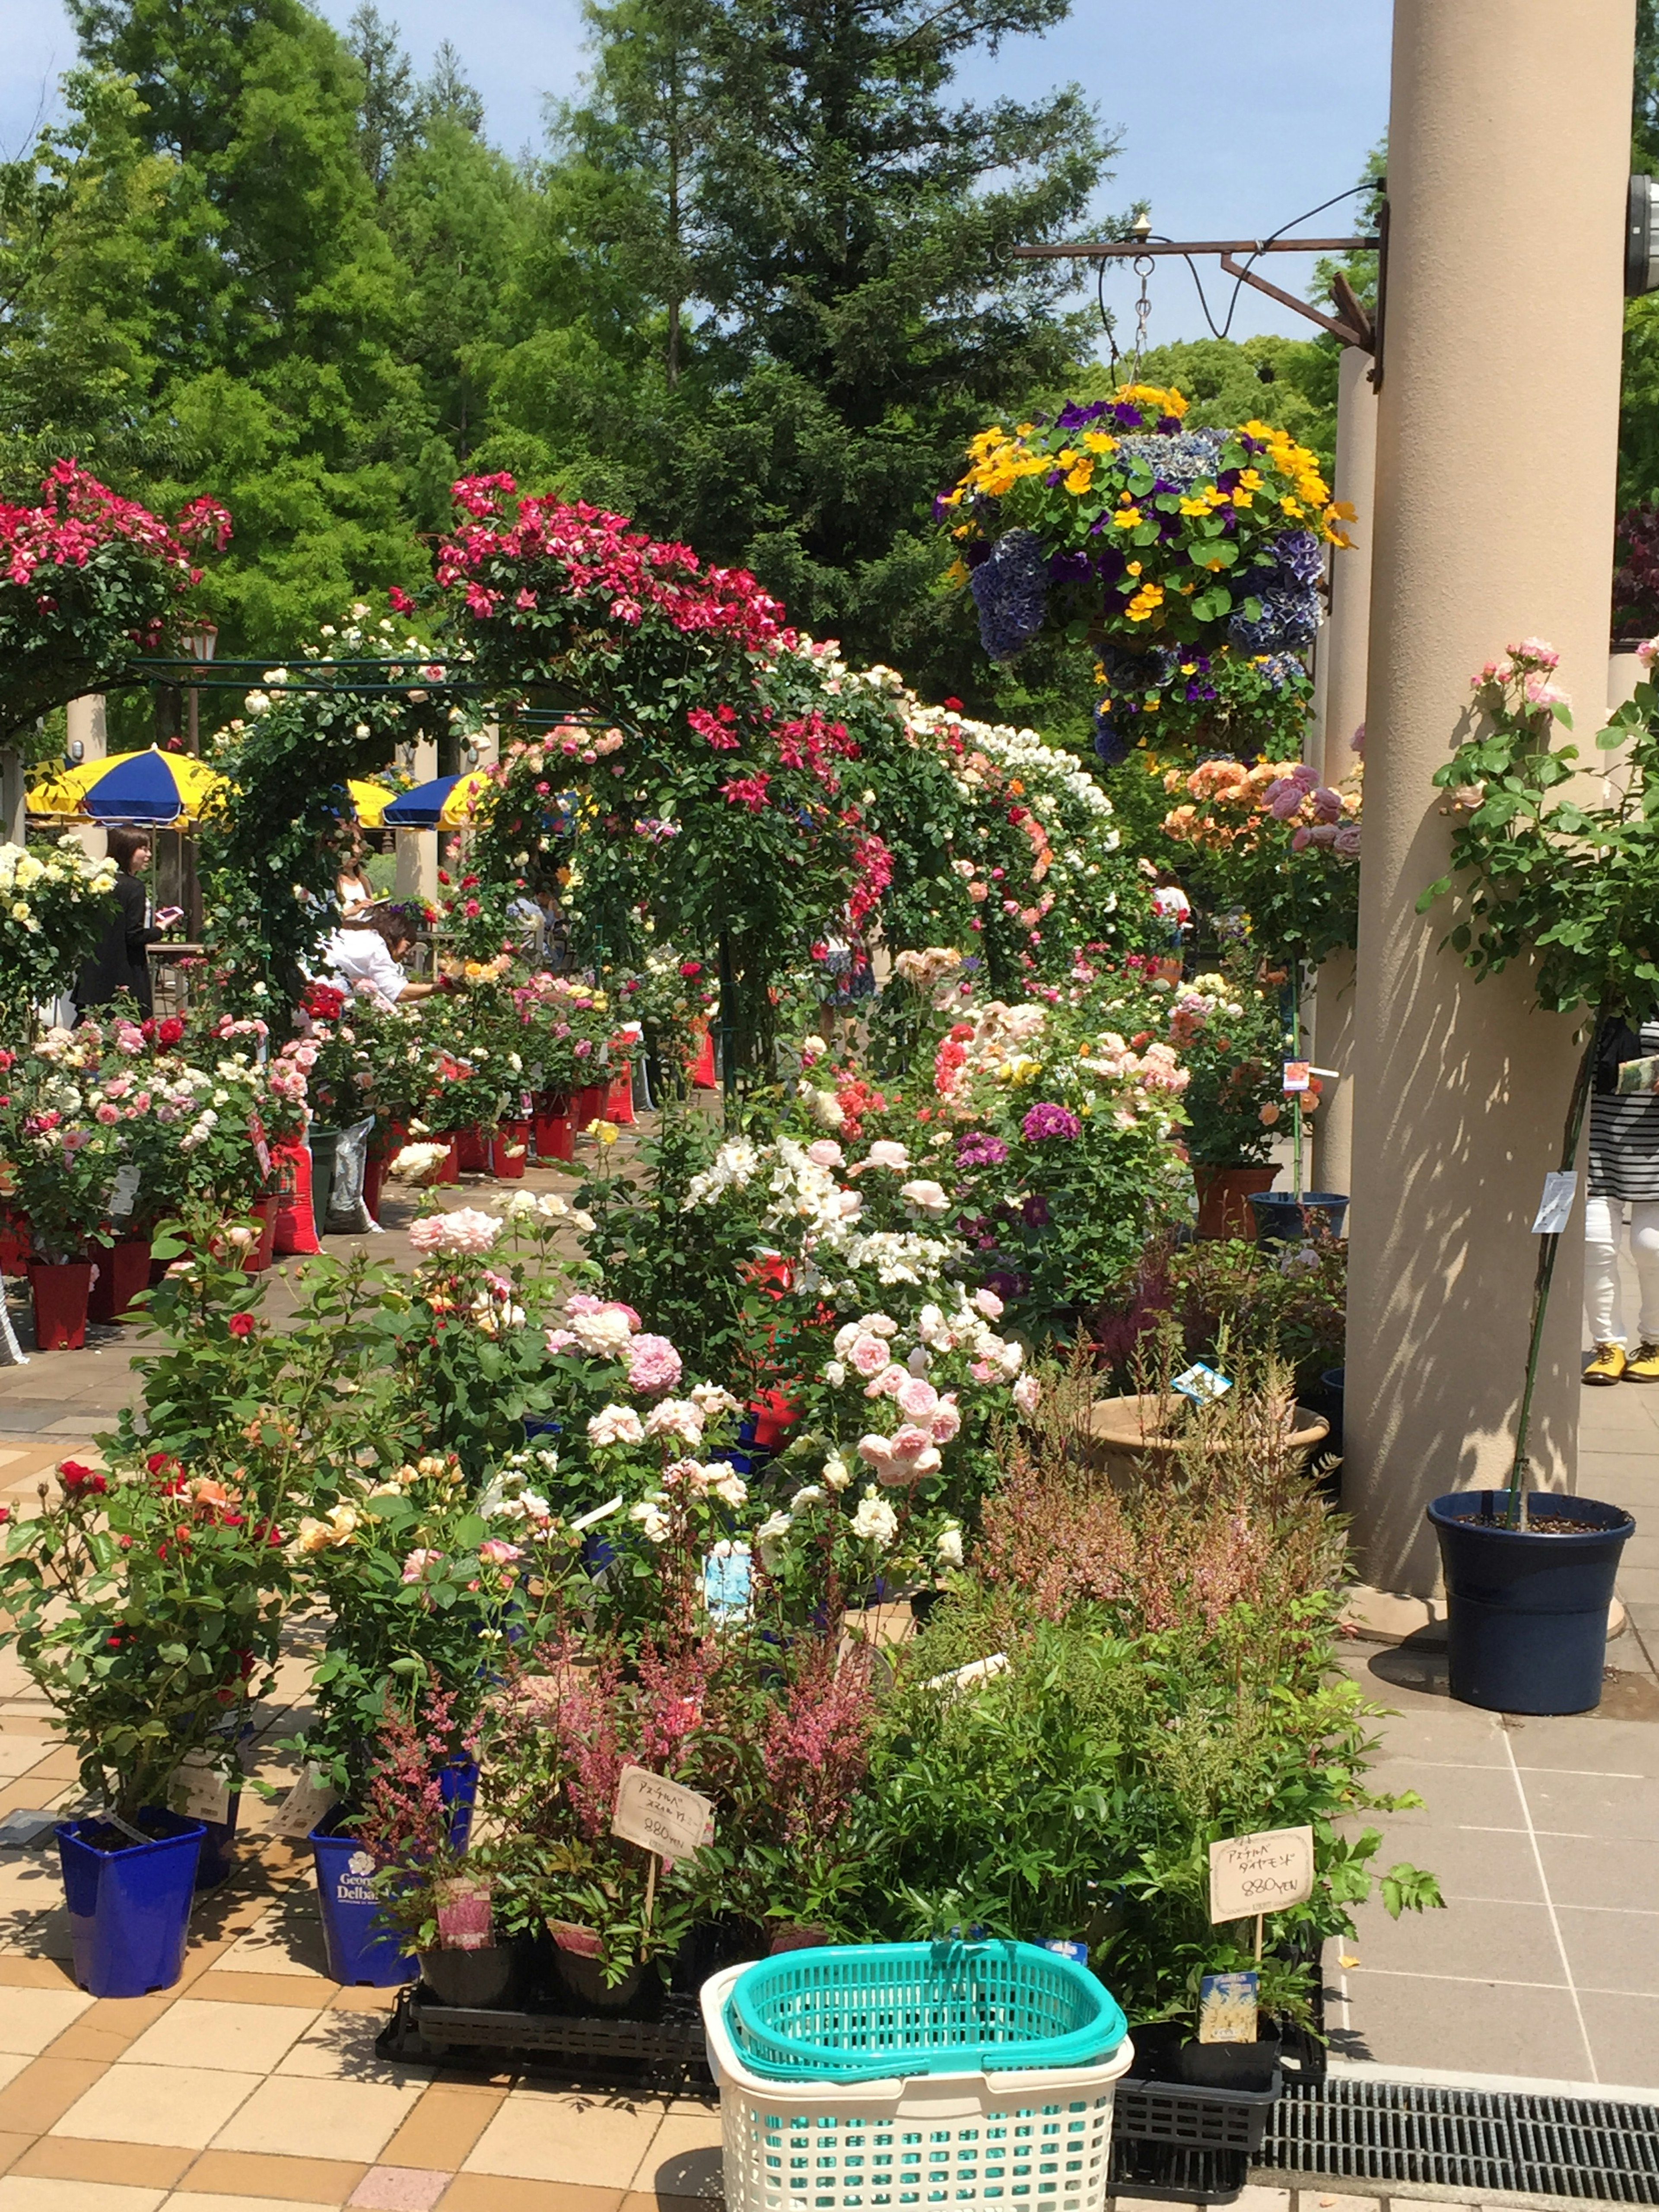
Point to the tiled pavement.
(254, 2084)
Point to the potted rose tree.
(144, 1603)
(1230, 1039)
(59, 1173)
(1538, 875)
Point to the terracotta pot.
(61, 1291)
(123, 1271)
(471, 1150)
(1223, 1199)
(510, 1150)
(1127, 1434)
(555, 1127)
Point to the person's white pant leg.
(1645, 1250)
(1604, 1308)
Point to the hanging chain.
(1143, 266)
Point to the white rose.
(875, 1522)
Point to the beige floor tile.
(684, 2158)
(296, 2116)
(21, 2193)
(542, 2136)
(232, 2038)
(189, 2200)
(185, 2105)
(19, 1752)
(31, 2019)
(339, 2046)
(12, 2064)
(288, 1940)
(30, 1882)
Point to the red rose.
(954, 705)
(240, 1324)
(400, 600)
(75, 1477)
(169, 1033)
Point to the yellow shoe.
(1642, 1365)
(1608, 1364)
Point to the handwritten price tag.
(661, 1815)
(1262, 1873)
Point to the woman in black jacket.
(120, 964)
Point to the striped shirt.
(1624, 1140)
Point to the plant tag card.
(1079, 1953)
(726, 1583)
(1298, 1074)
(1262, 1873)
(660, 1815)
(1201, 1384)
(198, 1789)
(123, 1190)
(1555, 1208)
(306, 1803)
(1227, 2005)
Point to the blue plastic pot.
(1527, 1612)
(357, 1947)
(217, 1839)
(459, 1782)
(535, 1428)
(128, 1908)
(1283, 1218)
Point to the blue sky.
(1235, 115)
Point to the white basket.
(1040, 2141)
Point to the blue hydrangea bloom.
(1111, 747)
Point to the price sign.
(1263, 1873)
(200, 1790)
(306, 1803)
(660, 1815)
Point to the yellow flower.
(1024, 429)
(1250, 478)
(1135, 567)
(957, 573)
(1126, 518)
(605, 1131)
(1081, 477)
(1291, 506)
(1096, 441)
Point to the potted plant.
(1537, 874)
(60, 1173)
(1230, 1034)
(145, 1604)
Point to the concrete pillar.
(1344, 652)
(417, 850)
(85, 726)
(1507, 149)
(13, 822)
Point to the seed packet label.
(306, 1804)
(123, 1190)
(661, 1815)
(726, 1583)
(1262, 1873)
(1298, 1074)
(1201, 1383)
(1555, 1208)
(1227, 2007)
(200, 1790)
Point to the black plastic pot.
(1331, 1385)
(476, 1979)
(1281, 1217)
(1526, 1612)
(583, 1979)
(1247, 2066)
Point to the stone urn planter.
(1129, 1433)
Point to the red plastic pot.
(259, 1256)
(61, 1289)
(471, 1150)
(510, 1150)
(588, 1105)
(451, 1170)
(555, 1127)
(13, 1245)
(1223, 1199)
(374, 1168)
(123, 1271)
(619, 1098)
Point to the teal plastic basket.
(860, 2012)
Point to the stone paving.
(254, 2084)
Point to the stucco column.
(1344, 652)
(1507, 151)
(417, 850)
(85, 725)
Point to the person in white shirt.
(363, 957)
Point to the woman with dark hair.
(120, 964)
(363, 957)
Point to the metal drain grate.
(1467, 2139)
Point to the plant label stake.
(1298, 1075)
(667, 1820)
(199, 1788)
(306, 1803)
(1251, 1875)
(1228, 2005)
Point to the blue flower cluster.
(1287, 587)
(1011, 590)
(1182, 460)
(1111, 746)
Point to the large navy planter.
(128, 1909)
(1526, 1614)
(1282, 1218)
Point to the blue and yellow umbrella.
(160, 789)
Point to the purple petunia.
(1046, 1119)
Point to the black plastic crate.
(1172, 2170)
(584, 2046)
(1193, 2116)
